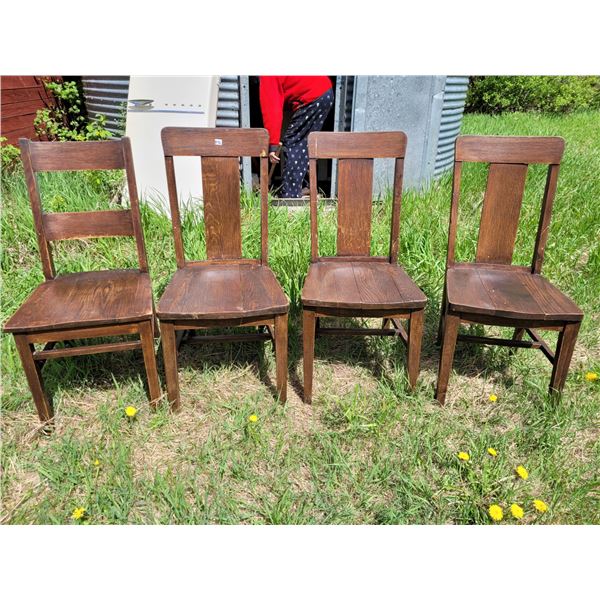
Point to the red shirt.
(275, 92)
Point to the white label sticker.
(218, 142)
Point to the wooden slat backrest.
(355, 152)
(509, 158)
(220, 150)
(77, 156)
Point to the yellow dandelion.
(495, 512)
(517, 511)
(492, 451)
(493, 398)
(131, 411)
(253, 418)
(96, 463)
(522, 472)
(463, 456)
(540, 506)
(591, 376)
(78, 513)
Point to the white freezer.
(175, 102)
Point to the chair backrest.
(355, 152)
(81, 156)
(509, 159)
(220, 150)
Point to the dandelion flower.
(131, 411)
(517, 511)
(96, 463)
(540, 506)
(493, 398)
(464, 456)
(253, 418)
(495, 512)
(78, 513)
(591, 376)
(522, 472)
(492, 451)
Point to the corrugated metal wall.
(228, 104)
(455, 94)
(107, 95)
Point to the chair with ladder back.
(354, 283)
(225, 290)
(491, 290)
(83, 305)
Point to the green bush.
(10, 156)
(65, 120)
(497, 94)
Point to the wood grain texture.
(511, 150)
(281, 355)
(355, 201)
(222, 214)
(217, 141)
(308, 348)
(222, 292)
(507, 293)
(361, 286)
(77, 156)
(367, 144)
(500, 213)
(92, 224)
(90, 298)
(562, 359)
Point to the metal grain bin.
(107, 95)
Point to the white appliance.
(157, 102)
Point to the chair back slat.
(81, 225)
(511, 150)
(355, 201)
(355, 153)
(220, 150)
(216, 141)
(500, 213)
(77, 156)
(222, 214)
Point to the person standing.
(310, 99)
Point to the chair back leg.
(308, 347)
(281, 354)
(562, 358)
(451, 324)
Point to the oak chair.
(87, 304)
(354, 283)
(225, 290)
(491, 290)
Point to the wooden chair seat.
(82, 299)
(361, 286)
(508, 292)
(220, 292)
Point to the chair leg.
(167, 334)
(281, 354)
(146, 331)
(451, 324)
(440, 334)
(562, 358)
(308, 347)
(385, 324)
(34, 378)
(415, 335)
(517, 335)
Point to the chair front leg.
(451, 324)
(281, 354)
(169, 344)
(308, 348)
(146, 331)
(34, 378)
(562, 358)
(415, 336)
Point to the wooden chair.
(225, 290)
(491, 290)
(88, 304)
(354, 283)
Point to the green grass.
(368, 450)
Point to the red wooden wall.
(21, 96)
